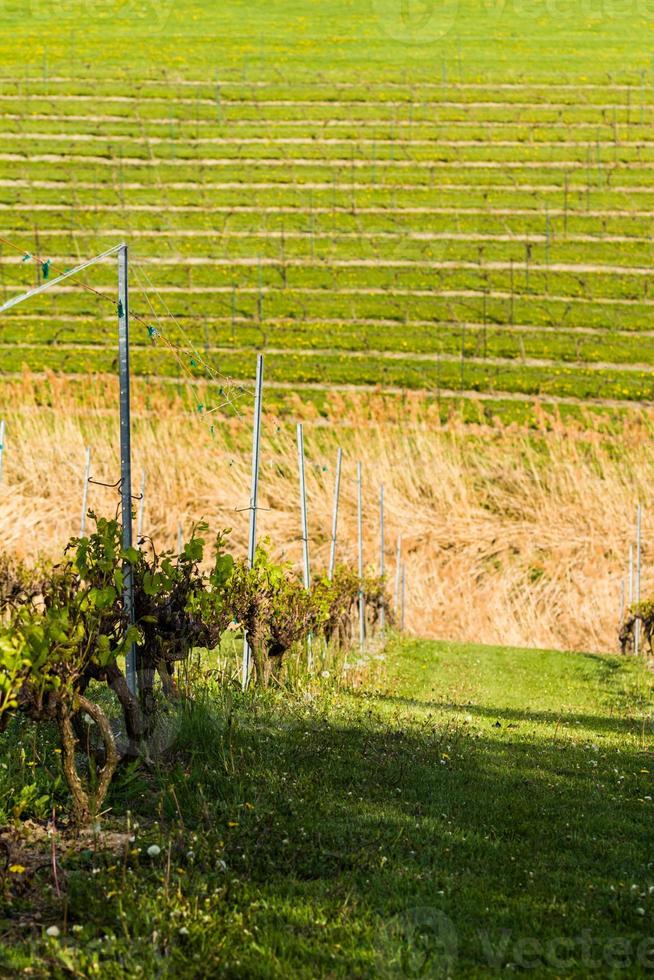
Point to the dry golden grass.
(510, 536)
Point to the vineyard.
(325, 328)
(460, 237)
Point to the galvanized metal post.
(402, 606)
(306, 568)
(141, 513)
(2, 446)
(180, 539)
(638, 563)
(126, 449)
(337, 492)
(382, 556)
(362, 600)
(254, 497)
(85, 493)
(398, 563)
(306, 571)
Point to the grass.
(471, 808)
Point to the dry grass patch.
(510, 535)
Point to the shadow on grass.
(597, 723)
(364, 821)
(364, 840)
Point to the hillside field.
(455, 199)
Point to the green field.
(471, 811)
(454, 198)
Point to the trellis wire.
(85, 493)
(125, 482)
(141, 511)
(64, 275)
(254, 497)
(337, 491)
(362, 601)
(306, 568)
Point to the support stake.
(254, 497)
(382, 557)
(638, 562)
(126, 449)
(306, 568)
(2, 446)
(398, 564)
(337, 491)
(362, 600)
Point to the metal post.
(631, 575)
(2, 446)
(306, 572)
(141, 513)
(337, 491)
(180, 539)
(398, 564)
(362, 600)
(402, 601)
(306, 569)
(638, 558)
(254, 497)
(382, 557)
(85, 493)
(126, 450)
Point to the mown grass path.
(542, 813)
(478, 809)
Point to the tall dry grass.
(510, 536)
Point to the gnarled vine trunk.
(86, 803)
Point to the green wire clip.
(120, 309)
(45, 268)
(152, 332)
(27, 257)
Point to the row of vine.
(65, 635)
